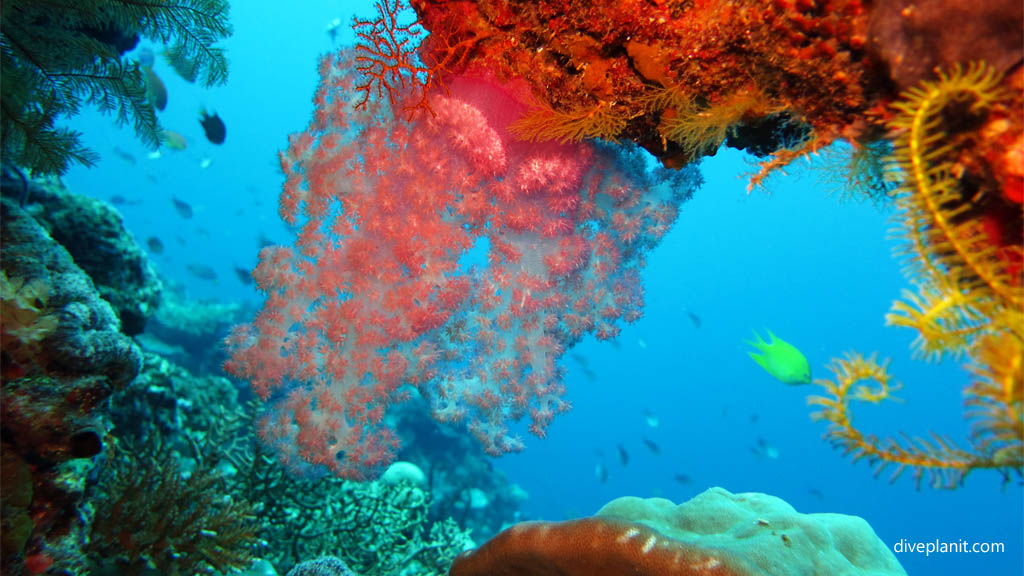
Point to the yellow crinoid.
(967, 301)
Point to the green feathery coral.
(58, 55)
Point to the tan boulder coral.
(717, 533)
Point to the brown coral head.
(590, 547)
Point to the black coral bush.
(57, 55)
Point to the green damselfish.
(781, 359)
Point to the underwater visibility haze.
(508, 288)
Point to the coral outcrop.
(717, 533)
(64, 355)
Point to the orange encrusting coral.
(590, 547)
(805, 59)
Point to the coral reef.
(377, 528)
(463, 482)
(787, 77)
(190, 332)
(717, 533)
(677, 77)
(149, 516)
(92, 232)
(55, 64)
(202, 424)
(63, 355)
(326, 566)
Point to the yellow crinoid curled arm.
(995, 400)
(962, 281)
(994, 408)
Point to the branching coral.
(57, 56)
(148, 515)
(378, 529)
(700, 129)
(969, 299)
(389, 63)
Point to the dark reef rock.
(86, 339)
(93, 233)
(64, 354)
(180, 407)
(914, 38)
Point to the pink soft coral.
(374, 299)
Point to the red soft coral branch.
(375, 298)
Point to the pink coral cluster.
(381, 294)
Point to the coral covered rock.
(63, 356)
(326, 566)
(716, 533)
(94, 235)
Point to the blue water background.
(795, 260)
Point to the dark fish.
(146, 57)
(601, 473)
(124, 155)
(816, 493)
(651, 445)
(754, 417)
(155, 89)
(183, 208)
(332, 29)
(156, 246)
(694, 318)
(623, 455)
(585, 367)
(683, 479)
(172, 140)
(202, 271)
(244, 276)
(214, 127)
(118, 200)
(764, 449)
